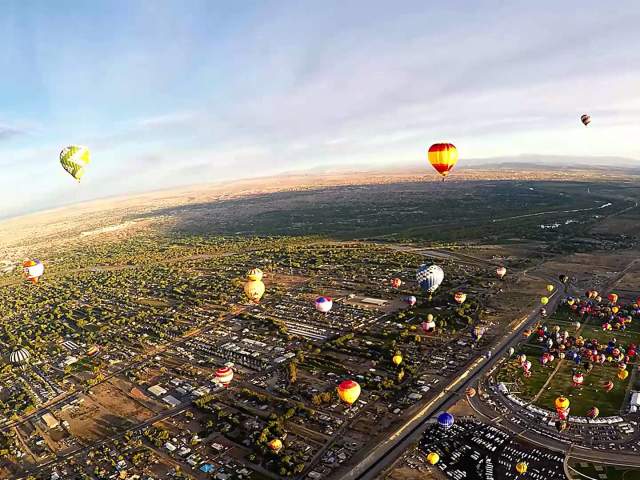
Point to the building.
(50, 420)
(374, 301)
(157, 390)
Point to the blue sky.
(170, 93)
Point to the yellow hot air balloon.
(544, 300)
(397, 359)
(349, 391)
(623, 374)
(255, 274)
(443, 157)
(521, 468)
(562, 403)
(74, 159)
(433, 458)
(550, 288)
(615, 309)
(254, 289)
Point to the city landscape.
(114, 357)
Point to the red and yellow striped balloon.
(443, 157)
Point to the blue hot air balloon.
(445, 420)
(429, 277)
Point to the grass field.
(555, 379)
(596, 471)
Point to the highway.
(387, 452)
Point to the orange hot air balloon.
(349, 391)
(562, 403)
(613, 297)
(275, 445)
(443, 157)
(396, 283)
(460, 297)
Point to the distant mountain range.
(536, 161)
(517, 162)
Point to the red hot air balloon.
(443, 157)
(224, 375)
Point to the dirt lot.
(107, 410)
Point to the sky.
(173, 93)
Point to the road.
(387, 452)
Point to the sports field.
(555, 379)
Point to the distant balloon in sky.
(443, 157)
(501, 272)
(586, 119)
(74, 159)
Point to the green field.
(558, 375)
(592, 470)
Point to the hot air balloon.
(501, 272)
(511, 351)
(623, 374)
(562, 407)
(478, 332)
(429, 325)
(275, 445)
(563, 278)
(323, 304)
(550, 288)
(397, 359)
(585, 119)
(470, 392)
(433, 458)
(445, 420)
(223, 376)
(33, 270)
(460, 297)
(544, 300)
(578, 379)
(396, 283)
(255, 274)
(74, 159)
(593, 412)
(521, 468)
(613, 297)
(20, 357)
(443, 157)
(570, 301)
(429, 277)
(411, 300)
(254, 290)
(608, 386)
(349, 391)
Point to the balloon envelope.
(74, 159)
(348, 391)
(443, 157)
(429, 277)
(323, 304)
(445, 419)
